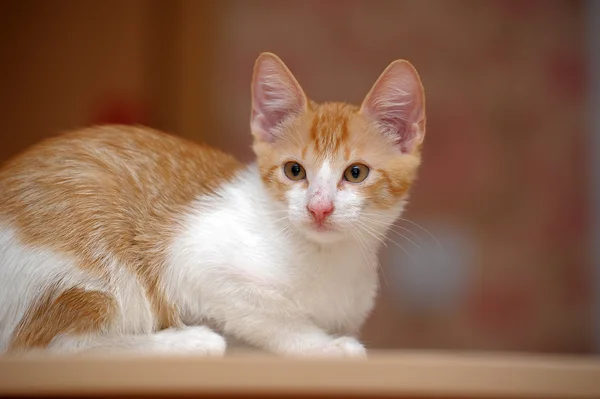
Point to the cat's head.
(333, 166)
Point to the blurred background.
(506, 184)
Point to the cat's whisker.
(275, 211)
(366, 247)
(413, 223)
(362, 244)
(380, 234)
(280, 219)
(391, 240)
(359, 242)
(368, 230)
(377, 218)
(283, 232)
(287, 230)
(391, 229)
(393, 224)
(425, 230)
(380, 267)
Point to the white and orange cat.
(117, 238)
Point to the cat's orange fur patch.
(329, 128)
(71, 311)
(113, 190)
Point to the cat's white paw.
(197, 340)
(344, 347)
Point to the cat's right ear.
(276, 97)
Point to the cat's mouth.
(322, 228)
(320, 231)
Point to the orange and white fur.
(126, 239)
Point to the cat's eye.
(294, 171)
(356, 173)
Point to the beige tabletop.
(400, 374)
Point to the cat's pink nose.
(320, 210)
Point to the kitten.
(118, 238)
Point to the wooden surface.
(397, 374)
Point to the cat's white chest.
(337, 288)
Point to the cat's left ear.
(396, 104)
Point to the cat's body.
(130, 239)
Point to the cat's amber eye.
(356, 173)
(294, 171)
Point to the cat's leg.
(193, 340)
(77, 319)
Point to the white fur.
(194, 340)
(244, 263)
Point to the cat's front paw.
(199, 340)
(344, 347)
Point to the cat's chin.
(323, 235)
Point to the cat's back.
(107, 160)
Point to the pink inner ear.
(265, 124)
(410, 138)
(394, 121)
(401, 126)
(395, 104)
(398, 121)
